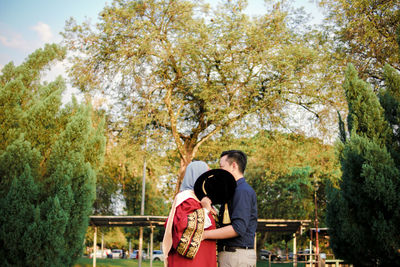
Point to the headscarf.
(193, 171)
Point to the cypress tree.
(389, 97)
(49, 156)
(363, 214)
(365, 116)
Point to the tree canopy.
(189, 72)
(366, 31)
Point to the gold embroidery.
(196, 240)
(187, 234)
(189, 243)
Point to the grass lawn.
(281, 264)
(86, 262)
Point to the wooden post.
(140, 246)
(151, 245)
(142, 206)
(102, 245)
(269, 260)
(94, 246)
(311, 237)
(317, 260)
(294, 250)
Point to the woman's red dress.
(183, 233)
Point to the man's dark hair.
(236, 156)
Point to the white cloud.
(13, 40)
(44, 32)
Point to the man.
(236, 240)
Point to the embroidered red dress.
(187, 230)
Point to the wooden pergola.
(263, 225)
(282, 225)
(126, 221)
(295, 227)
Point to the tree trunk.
(187, 151)
(260, 242)
(185, 160)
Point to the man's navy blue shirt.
(243, 213)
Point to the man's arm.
(220, 233)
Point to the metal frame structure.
(295, 227)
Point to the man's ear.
(235, 165)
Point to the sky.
(26, 25)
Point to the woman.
(185, 225)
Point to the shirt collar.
(240, 181)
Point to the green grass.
(266, 264)
(86, 262)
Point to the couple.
(190, 233)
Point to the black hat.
(219, 185)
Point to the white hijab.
(193, 171)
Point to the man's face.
(224, 164)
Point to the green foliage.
(284, 170)
(365, 116)
(121, 178)
(190, 72)
(288, 197)
(342, 130)
(362, 213)
(389, 98)
(49, 156)
(366, 32)
(113, 237)
(120, 182)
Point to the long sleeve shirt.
(243, 214)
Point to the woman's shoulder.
(190, 204)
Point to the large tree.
(363, 214)
(49, 155)
(365, 30)
(178, 68)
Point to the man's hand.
(204, 236)
(206, 203)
